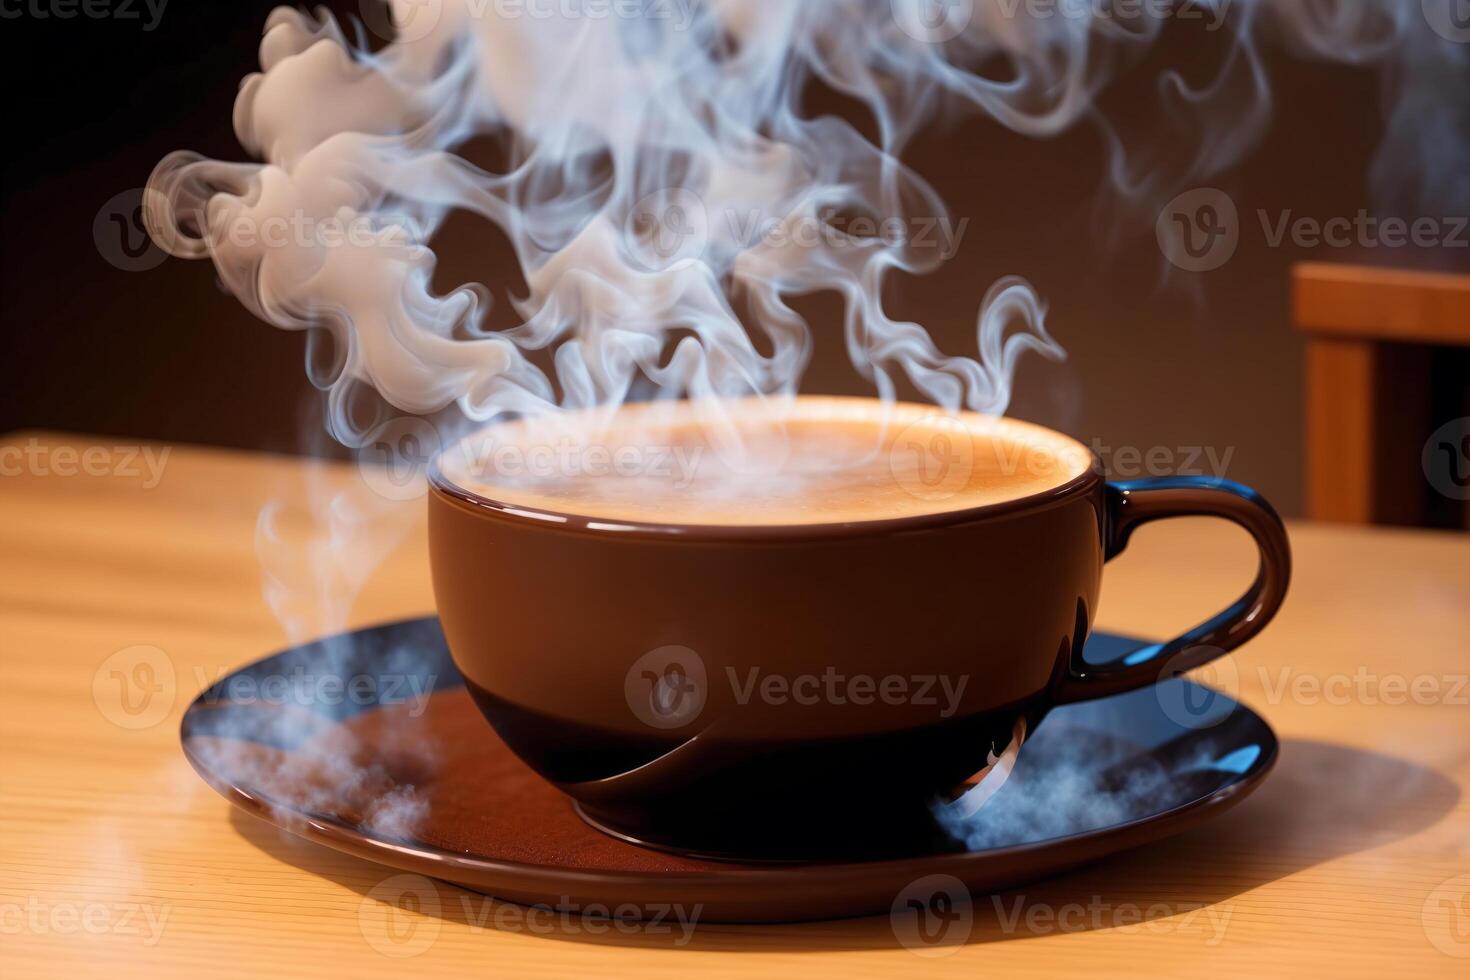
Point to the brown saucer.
(369, 743)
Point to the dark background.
(1176, 361)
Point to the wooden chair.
(1386, 363)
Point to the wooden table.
(1352, 860)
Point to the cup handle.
(1141, 501)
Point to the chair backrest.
(1387, 374)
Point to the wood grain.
(1399, 305)
(1345, 864)
(1340, 419)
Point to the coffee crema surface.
(807, 460)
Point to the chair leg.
(1367, 415)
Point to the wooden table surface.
(1352, 860)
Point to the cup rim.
(554, 520)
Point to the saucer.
(368, 742)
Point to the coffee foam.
(771, 462)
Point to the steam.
(1058, 793)
(303, 764)
(660, 173)
(283, 730)
(669, 201)
(640, 150)
(316, 551)
(1075, 778)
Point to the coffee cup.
(780, 662)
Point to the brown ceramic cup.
(631, 664)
